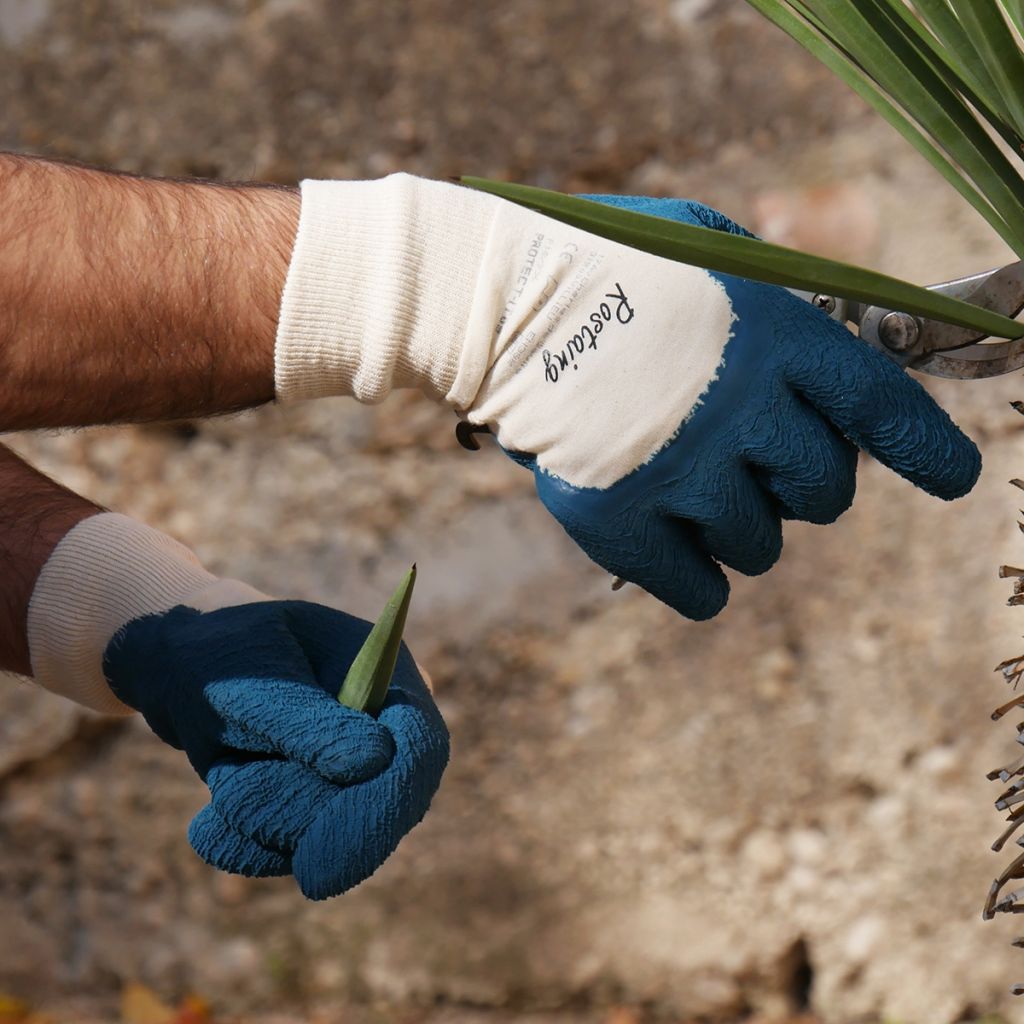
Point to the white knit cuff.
(107, 571)
(380, 290)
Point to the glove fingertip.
(220, 846)
(360, 751)
(882, 409)
(697, 590)
(355, 833)
(934, 455)
(679, 572)
(957, 467)
(305, 724)
(705, 607)
(330, 864)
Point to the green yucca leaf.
(749, 257)
(954, 42)
(1015, 9)
(964, 74)
(870, 34)
(944, 74)
(846, 68)
(958, 51)
(1000, 55)
(369, 676)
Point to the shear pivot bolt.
(899, 331)
(826, 303)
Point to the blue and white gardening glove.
(672, 417)
(124, 617)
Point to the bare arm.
(124, 298)
(35, 514)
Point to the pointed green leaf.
(1015, 9)
(967, 76)
(863, 28)
(369, 676)
(958, 48)
(842, 64)
(749, 257)
(933, 94)
(1000, 55)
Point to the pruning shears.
(931, 346)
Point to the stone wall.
(778, 811)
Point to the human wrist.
(235, 242)
(35, 514)
(105, 572)
(163, 293)
(262, 221)
(380, 290)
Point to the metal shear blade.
(941, 349)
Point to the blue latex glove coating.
(774, 437)
(299, 783)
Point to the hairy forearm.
(127, 299)
(35, 514)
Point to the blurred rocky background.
(778, 814)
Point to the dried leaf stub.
(1011, 799)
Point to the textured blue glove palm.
(775, 436)
(299, 784)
